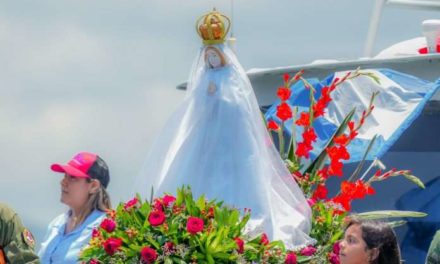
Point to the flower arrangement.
(328, 213)
(179, 230)
(183, 230)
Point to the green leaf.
(361, 164)
(415, 180)
(389, 214)
(201, 202)
(318, 163)
(394, 224)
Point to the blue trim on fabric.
(410, 119)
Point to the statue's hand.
(212, 88)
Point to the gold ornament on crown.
(213, 27)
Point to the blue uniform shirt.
(59, 247)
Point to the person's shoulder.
(6, 212)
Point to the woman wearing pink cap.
(83, 189)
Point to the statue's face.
(213, 58)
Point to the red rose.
(290, 258)
(336, 248)
(157, 204)
(240, 245)
(272, 125)
(156, 218)
(284, 112)
(194, 225)
(264, 240)
(308, 251)
(169, 246)
(333, 258)
(311, 202)
(148, 255)
(108, 225)
(130, 204)
(167, 199)
(112, 245)
(95, 233)
(284, 93)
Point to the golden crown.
(213, 27)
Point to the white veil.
(217, 143)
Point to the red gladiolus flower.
(320, 193)
(341, 140)
(318, 109)
(290, 258)
(272, 125)
(112, 245)
(93, 261)
(284, 93)
(108, 225)
(323, 173)
(343, 200)
(308, 251)
(309, 135)
(284, 112)
(194, 225)
(337, 153)
(304, 119)
(130, 204)
(286, 77)
(264, 240)
(336, 168)
(156, 218)
(303, 150)
(351, 125)
(370, 190)
(298, 75)
(148, 255)
(167, 199)
(240, 245)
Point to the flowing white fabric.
(216, 143)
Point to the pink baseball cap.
(85, 165)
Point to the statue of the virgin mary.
(216, 142)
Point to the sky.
(100, 76)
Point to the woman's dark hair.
(379, 235)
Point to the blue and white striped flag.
(400, 100)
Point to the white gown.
(216, 143)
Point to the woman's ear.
(374, 254)
(94, 186)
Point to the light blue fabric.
(407, 87)
(63, 248)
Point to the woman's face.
(213, 58)
(353, 249)
(75, 191)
